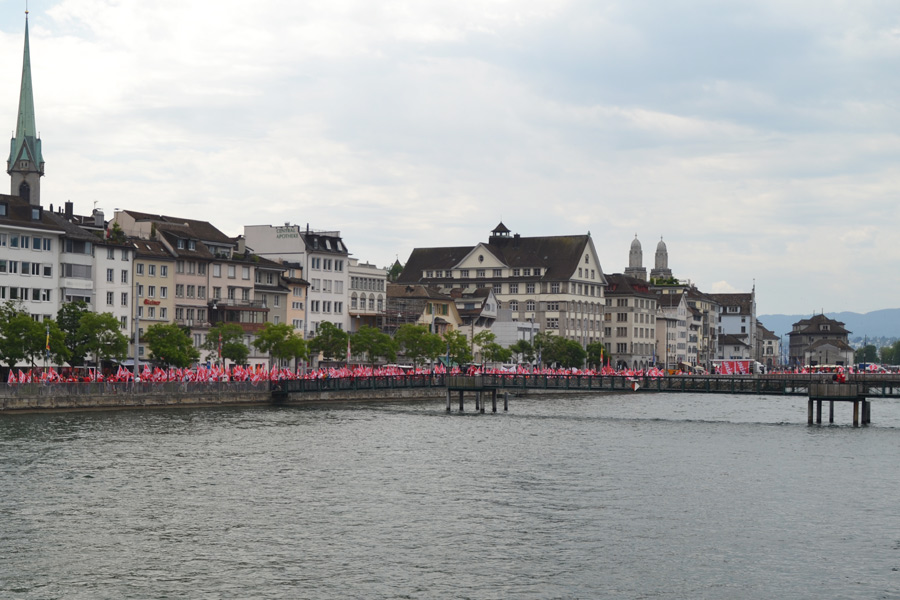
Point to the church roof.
(26, 145)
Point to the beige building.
(555, 282)
(629, 322)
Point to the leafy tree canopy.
(281, 342)
(374, 344)
(171, 344)
(229, 338)
(330, 341)
(418, 342)
(101, 336)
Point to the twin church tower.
(25, 164)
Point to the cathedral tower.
(26, 163)
(636, 261)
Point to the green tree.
(24, 339)
(101, 337)
(374, 343)
(524, 349)
(330, 341)
(281, 342)
(495, 353)
(867, 354)
(418, 342)
(480, 340)
(596, 354)
(171, 344)
(458, 346)
(542, 342)
(69, 320)
(230, 337)
(561, 351)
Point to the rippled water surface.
(615, 496)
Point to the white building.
(324, 260)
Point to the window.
(163, 270)
(498, 272)
(526, 272)
(231, 292)
(151, 270)
(151, 291)
(125, 254)
(231, 272)
(179, 290)
(201, 291)
(151, 312)
(479, 273)
(537, 272)
(339, 265)
(110, 298)
(25, 241)
(498, 288)
(529, 288)
(245, 272)
(514, 288)
(3, 238)
(464, 273)
(163, 312)
(217, 293)
(201, 268)
(139, 268)
(190, 291)
(110, 275)
(245, 294)
(326, 263)
(140, 290)
(163, 291)
(179, 266)
(338, 307)
(192, 245)
(553, 306)
(48, 270)
(217, 270)
(276, 301)
(554, 288)
(124, 276)
(110, 253)
(124, 298)
(529, 305)
(553, 323)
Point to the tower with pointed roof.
(25, 164)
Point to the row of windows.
(25, 268)
(326, 264)
(151, 291)
(578, 289)
(151, 269)
(326, 285)
(367, 283)
(111, 296)
(111, 275)
(22, 293)
(326, 306)
(14, 240)
(360, 303)
(111, 253)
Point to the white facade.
(29, 269)
(113, 282)
(325, 263)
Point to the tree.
(101, 336)
(229, 338)
(330, 341)
(524, 349)
(69, 320)
(566, 353)
(458, 347)
(171, 344)
(21, 337)
(867, 354)
(281, 342)
(418, 343)
(374, 344)
(596, 354)
(495, 353)
(482, 339)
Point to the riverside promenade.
(119, 395)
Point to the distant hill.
(879, 323)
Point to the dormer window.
(180, 244)
(36, 212)
(192, 245)
(4, 209)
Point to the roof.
(19, 214)
(397, 290)
(618, 284)
(557, 256)
(202, 230)
(812, 326)
(150, 249)
(839, 344)
(26, 144)
(71, 230)
(742, 300)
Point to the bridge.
(873, 386)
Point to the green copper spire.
(26, 163)
(26, 146)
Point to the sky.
(757, 138)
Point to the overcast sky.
(758, 138)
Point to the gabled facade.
(556, 282)
(737, 317)
(734, 347)
(419, 305)
(806, 333)
(768, 346)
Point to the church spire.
(26, 163)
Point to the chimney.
(98, 218)
(70, 208)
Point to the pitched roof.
(19, 214)
(618, 284)
(557, 256)
(203, 230)
(812, 326)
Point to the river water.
(606, 496)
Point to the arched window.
(25, 191)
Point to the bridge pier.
(838, 392)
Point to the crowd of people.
(238, 373)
